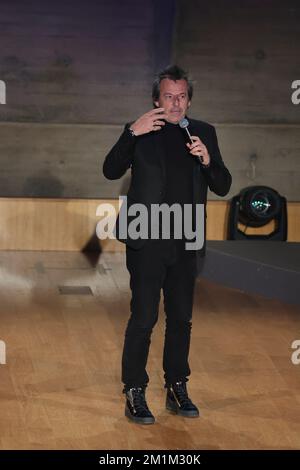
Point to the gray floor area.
(268, 268)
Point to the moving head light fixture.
(255, 206)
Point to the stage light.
(255, 206)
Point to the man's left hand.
(198, 149)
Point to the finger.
(159, 123)
(190, 146)
(160, 116)
(156, 128)
(197, 152)
(196, 146)
(156, 111)
(199, 145)
(196, 138)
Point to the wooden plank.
(61, 386)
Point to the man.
(165, 168)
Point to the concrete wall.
(76, 71)
(243, 57)
(70, 61)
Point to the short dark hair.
(173, 72)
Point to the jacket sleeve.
(217, 175)
(120, 157)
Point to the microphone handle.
(191, 141)
(189, 135)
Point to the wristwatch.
(131, 131)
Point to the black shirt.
(179, 169)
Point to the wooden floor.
(60, 387)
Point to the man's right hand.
(149, 122)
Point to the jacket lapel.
(196, 172)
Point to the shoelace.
(139, 401)
(181, 393)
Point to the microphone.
(184, 124)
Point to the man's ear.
(156, 104)
(189, 104)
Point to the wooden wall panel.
(70, 225)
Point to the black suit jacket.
(144, 155)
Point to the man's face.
(174, 98)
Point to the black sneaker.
(136, 407)
(177, 401)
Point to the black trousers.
(159, 264)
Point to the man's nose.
(176, 100)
